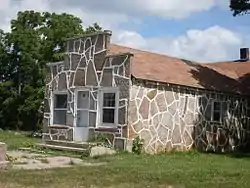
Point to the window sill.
(107, 129)
(216, 122)
(58, 126)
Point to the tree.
(35, 39)
(239, 7)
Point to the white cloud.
(129, 38)
(160, 8)
(176, 8)
(4, 5)
(110, 13)
(212, 44)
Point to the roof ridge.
(163, 68)
(155, 53)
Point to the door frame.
(76, 101)
(75, 127)
(100, 107)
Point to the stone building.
(170, 103)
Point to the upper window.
(109, 108)
(60, 101)
(217, 111)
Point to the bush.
(137, 145)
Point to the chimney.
(108, 31)
(244, 54)
(101, 40)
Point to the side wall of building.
(171, 117)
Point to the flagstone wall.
(171, 117)
(86, 65)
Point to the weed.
(137, 145)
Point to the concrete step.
(4, 164)
(63, 148)
(70, 144)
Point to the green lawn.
(17, 140)
(189, 169)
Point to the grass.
(186, 169)
(16, 140)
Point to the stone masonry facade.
(87, 66)
(170, 117)
(165, 116)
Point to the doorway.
(82, 115)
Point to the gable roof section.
(226, 76)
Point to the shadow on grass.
(237, 155)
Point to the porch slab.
(29, 160)
(63, 148)
(73, 144)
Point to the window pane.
(216, 116)
(60, 101)
(82, 118)
(83, 99)
(59, 117)
(217, 106)
(108, 116)
(109, 100)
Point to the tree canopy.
(239, 7)
(35, 39)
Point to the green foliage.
(35, 39)
(137, 145)
(100, 139)
(17, 140)
(239, 7)
(97, 137)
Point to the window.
(60, 109)
(60, 101)
(109, 108)
(216, 111)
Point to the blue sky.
(201, 30)
(201, 20)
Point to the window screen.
(217, 111)
(108, 115)
(60, 101)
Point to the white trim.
(60, 109)
(81, 109)
(212, 110)
(100, 107)
(54, 93)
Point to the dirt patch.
(26, 160)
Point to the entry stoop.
(62, 145)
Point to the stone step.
(63, 148)
(80, 145)
(4, 164)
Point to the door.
(82, 114)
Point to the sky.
(198, 30)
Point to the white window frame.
(53, 102)
(76, 108)
(213, 110)
(100, 107)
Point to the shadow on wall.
(223, 121)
